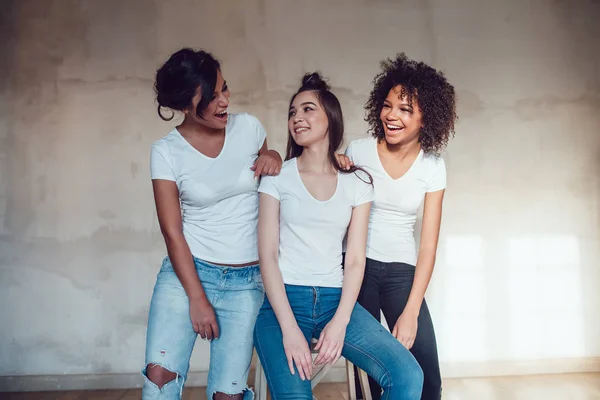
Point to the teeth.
(393, 126)
(298, 130)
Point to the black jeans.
(386, 287)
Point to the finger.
(202, 331)
(320, 342)
(338, 354)
(290, 362)
(404, 341)
(260, 165)
(307, 364)
(298, 361)
(328, 352)
(395, 332)
(272, 169)
(215, 329)
(209, 332)
(196, 327)
(410, 344)
(330, 356)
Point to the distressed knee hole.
(225, 396)
(160, 376)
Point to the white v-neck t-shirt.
(397, 201)
(218, 196)
(311, 231)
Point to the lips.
(301, 129)
(221, 115)
(394, 128)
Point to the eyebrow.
(303, 104)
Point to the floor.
(537, 387)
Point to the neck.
(190, 127)
(314, 158)
(401, 150)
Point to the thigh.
(170, 335)
(231, 354)
(369, 346)
(268, 340)
(396, 285)
(368, 296)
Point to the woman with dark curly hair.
(411, 113)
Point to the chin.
(393, 140)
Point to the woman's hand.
(268, 163)
(405, 329)
(344, 161)
(204, 319)
(331, 342)
(297, 351)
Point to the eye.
(225, 88)
(307, 108)
(406, 110)
(385, 105)
(291, 114)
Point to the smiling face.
(401, 119)
(307, 122)
(215, 114)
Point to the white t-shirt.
(397, 202)
(311, 231)
(219, 198)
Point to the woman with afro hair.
(411, 113)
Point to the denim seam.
(387, 373)
(258, 349)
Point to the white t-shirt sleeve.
(363, 191)
(438, 176)
(160, 166)
(349, 152)
(259, 130)
(268, 185)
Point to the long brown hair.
(333, 110)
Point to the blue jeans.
(236, 294)
(367, 344)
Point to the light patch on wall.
(544, 289)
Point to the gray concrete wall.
(518, 275)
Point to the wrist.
(412, 310)
(341, 319)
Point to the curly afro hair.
(423, 84)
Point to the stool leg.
(350, 380)
(363, 380)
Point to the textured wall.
(518, 274)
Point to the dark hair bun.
(314, 81)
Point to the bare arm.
(294, 342)
(354, 267)
(430, 232)
(331, 341)
(166, 197)
(406, 327)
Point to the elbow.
(172, 236)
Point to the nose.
(223, 100)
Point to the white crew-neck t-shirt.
(397, 202)
(311, 231)
(219, 198)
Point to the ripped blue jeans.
(236, 294)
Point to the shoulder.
(361, 144)
(433, 161)
(243, 118)
(164, 144)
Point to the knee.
(224, 396)
(159, 375)
(407, 376)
